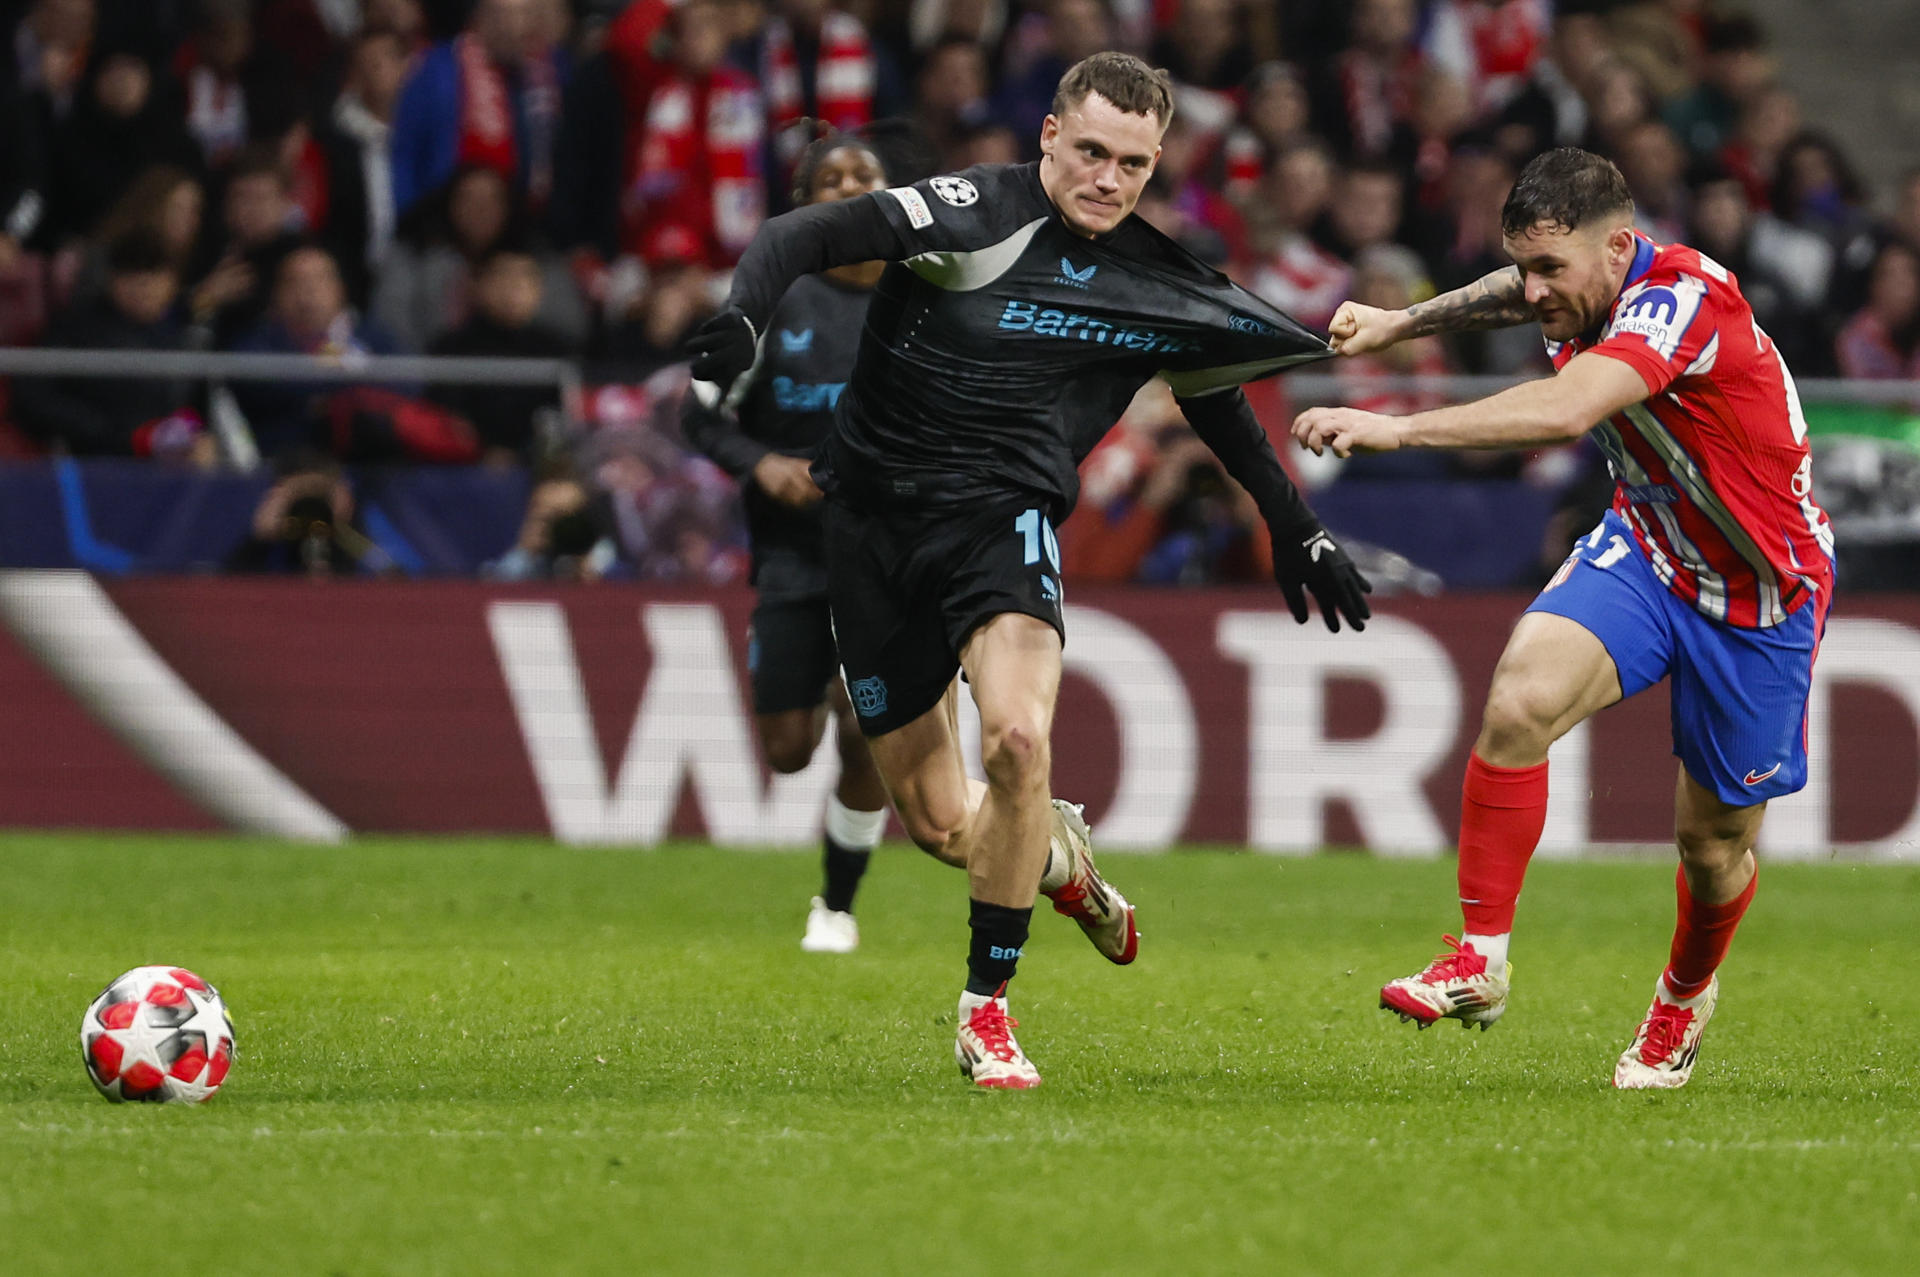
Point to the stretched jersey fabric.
(785, 404)
(1713, 470)
(1001, 346)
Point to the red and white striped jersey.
(1713, 469)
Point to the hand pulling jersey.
(1714, 474)
(1001, 346)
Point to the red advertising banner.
(619, 714)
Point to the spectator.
(987, 144)
(674, 515)
(694, 132)
(561, 538)
(1423, 148)
(110, 416)
(209, 68)
(309, 316)
(951, 100)
(1288, 268)
(1817, 190)
(1276, 116)
(1207, 525)
(505, 322)
(1735, 70)
(405, 18)
(816, 63)
(1906, 217)
(1187, 208)
(305, 525)
(1654, 164)
(50, 48)
(1491, 47)
(26, 124)
(694, 543)
(1661, 40)
(1208, 45)
(488, 98)
(164, 201)
(424, 291)
(1783, 272)
(261, 225)
(651, 322)
(1550, 110)
(1766, 125)
(1882, 341)
(1047, 42)
(981, 23)
(1371, 89)
(1366, 211)
(357, 143)
(124, 118)
(1618, 100)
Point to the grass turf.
(469, 1056)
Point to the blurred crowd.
(575, 179)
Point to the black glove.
(723, 347)
(1307, 561)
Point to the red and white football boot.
(1663, 1051)
(1079, 892)
(985, 1048)
(1455, 985)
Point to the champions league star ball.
(159, 1034)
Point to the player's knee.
(1713, 845)
(1519, 720)
(1015, 755)
(787, 750)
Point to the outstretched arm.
(1591, 388)
(815, 238)
(1497, 300)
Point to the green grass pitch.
(506, 1057)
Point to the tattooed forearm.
(1492, 301)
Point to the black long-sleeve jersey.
(1001, 346)
(785, 404)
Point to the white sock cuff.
(1492, 948)
(854, 830)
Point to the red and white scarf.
(487, 135)
(693, 162)
(842, 85)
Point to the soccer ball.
(158, 1034)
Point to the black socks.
(999, 934)
(843, 871)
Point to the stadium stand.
(572, 181)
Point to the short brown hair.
(1565, 188)
(1121, 79)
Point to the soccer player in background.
(1714, 568)
(1024, 308)
(766, 435)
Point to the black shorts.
(908, 589)
(790, 653)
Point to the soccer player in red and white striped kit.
(1714, 569)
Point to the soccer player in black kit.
(766, 435)
(1024, 308)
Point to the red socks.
(1502, 811)
(1701, 938)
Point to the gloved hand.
(1307, 561)
(723, 347)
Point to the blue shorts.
(1739, 696)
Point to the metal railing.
(567, 376)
